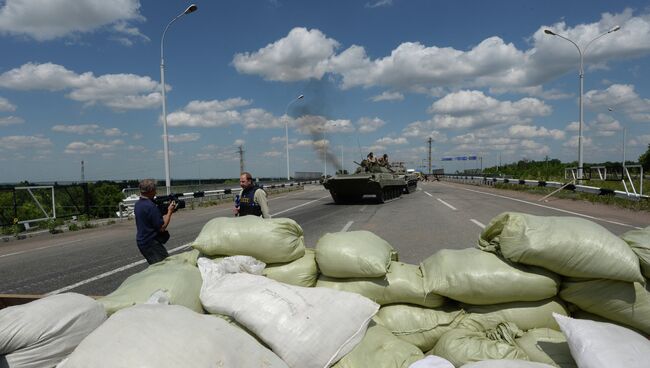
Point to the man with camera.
(151, 224)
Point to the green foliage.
(52, 225)
(644, 159)
(73, 227)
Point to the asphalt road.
(439, 215)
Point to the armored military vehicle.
(411, 178)
(368, 179)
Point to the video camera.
(162, 202)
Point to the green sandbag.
(623, 302)
(568, 246)
(639, 241)
(380, 349)
(476, 277)
(275, 240)
(301, 272)
(462, 346)
(419, 326)
(178, 277)
(545, 345)
(402, 284)
(526, 315)
(353, 254)
(190, 257)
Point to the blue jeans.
(154, 251)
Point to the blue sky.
(80, 80)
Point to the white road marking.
(550, 208)
(446, 204)
(427, 193)
(363, 208)
(298, 206)
(106, 274)
(419, 188)
(478, 223)
(347, 226)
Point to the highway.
(438, 215)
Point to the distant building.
(307, 175)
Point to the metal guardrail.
(126, 206)
(550, 184)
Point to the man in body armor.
(252, 199)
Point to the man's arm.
(167, 217)
(260, 198)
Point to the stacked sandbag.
(169, 336)
(402, 284)
(417, 325)
(461, 346)
(177, 276)
(306, 327)
(506, 363)
(568, 246)
(380, 349)
(547, 346)
(301, 272)
(476, 277)
(526, 315)
(622, 302)
(44, 332)
(276, 240)
(639, 241)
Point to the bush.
(73, 227)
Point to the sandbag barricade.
(353, 254)
(639, 241)
(547, 346)
(301, 272)
(526, 315)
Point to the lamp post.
(190, 9)
(581, 75)
(286, 131)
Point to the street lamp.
(190, 9)
(582, 75)
(286, 130)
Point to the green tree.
(644, 159)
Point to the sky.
(80, 81)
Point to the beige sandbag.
(462, 346)
(476, 277)
(568, 246)
(380, 349)
(639, 241)
(526, 315)
(419, 326)
(177, 276)
(275, 240)
(623, 302)
(353, 254)
(301, 272)
(545, 345)
(403, 284)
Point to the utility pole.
(430, 140)
(83, 177)
(241, 158)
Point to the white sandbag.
(476, 277)
(604, 345)
(432, 361)
(353, 254)
(43, 332)
(301, 272)
(568, 246)
(275, 240)
(506, 363)
(169, 336)
(306, 327)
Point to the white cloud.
(388, 141)
(272, 154)
(529, 131)
(80, 129)
(184, 137)
(238, 142)
(15, 142)
(424, 130)
(302, 54)
(470, 109)
(639, 141)
(313, 124)
(113, 132)
(5, 105)
(276, 140)
(622, 98)
(51, 19)
(118, 91)
(605, 125)
(368, 125)
(388, 96)
(92, 146)
(10, 120)
(572, 142)
(208, 114)
(379, 3)
(574, 126)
